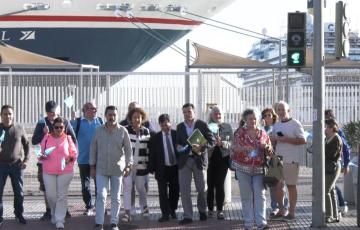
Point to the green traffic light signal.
(296, 58)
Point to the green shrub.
(352, 133)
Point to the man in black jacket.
(164, 163)
(192, 162)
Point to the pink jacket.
(64, 149)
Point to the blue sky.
(250, 14)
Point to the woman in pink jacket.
(58, 156)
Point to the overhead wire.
(168, 42)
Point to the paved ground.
(34, 207)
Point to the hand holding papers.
(196, 141)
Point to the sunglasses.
(58, 127)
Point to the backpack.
(78, 123)
(273, 170)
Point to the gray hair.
(214, 109)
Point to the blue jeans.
(274, 205)
(84, 170)
(16, 176)
(102, 183)
(253, 200)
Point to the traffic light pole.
(318, 184)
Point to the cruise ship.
(114, 35)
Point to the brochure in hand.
(196, 138)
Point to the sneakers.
(211, 214)
(114, 227)
(289, 218)
(220, 215)
(20, 218)
(344, 209)
(145, 211)
(60, 225)
(277, 216)
(185, 221)
(89, 212)
(99, 227)
(46, 216)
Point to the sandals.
(126, 218)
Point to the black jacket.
(157, 158)
(181, 139)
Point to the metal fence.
(164, 93)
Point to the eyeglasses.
(267, 115)
(58, 127)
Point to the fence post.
(10, 101)
(108, 89)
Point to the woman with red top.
(250, 145)
(58, 156)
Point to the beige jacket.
(111, 151)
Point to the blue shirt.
(84, 138)
(346, 149)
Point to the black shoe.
(20, 218)
(203, 216)
(1, 222)
(46, 216)
(173, 215)
(99, 227)
(68, 215)
(163, 219)
(185, 221)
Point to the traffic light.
(342, 45)
(296, 40)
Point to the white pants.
(57, 187)
(140, 188)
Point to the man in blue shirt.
(84, 128)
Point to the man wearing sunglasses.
(44, 126)
(85, 127)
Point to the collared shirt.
(110, 151)
(190, 129)
(84, 137)
(166, 157)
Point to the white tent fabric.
(10, 55)
(212, 58)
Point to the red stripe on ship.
(97, 19)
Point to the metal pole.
(280, 96)
(358, 190)
(318, 207)
(108, 87)
(187, 70)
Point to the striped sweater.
(141, 160)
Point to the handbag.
(273, 170)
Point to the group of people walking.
(123, 154)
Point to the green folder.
(197, 138)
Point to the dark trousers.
(85, 178)
(216, 174)
(169, 190)
(16, 176)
